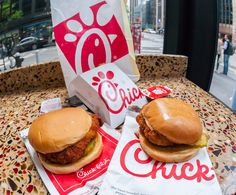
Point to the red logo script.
(91, 38)
(114, 97)
(188, 171)
(67, 183)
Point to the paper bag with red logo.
(107, 91)
(86, 180)
(90, 33)
(131, 171)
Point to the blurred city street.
(152, 43)
(38, 56)
(44, 55)
(223, 86)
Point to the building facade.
(156, 13)
(133, 6)
(148, 14)
(234, 22)
(227, 25)
(160, 13)
(152, 11)
(227, 18)
(21, 18)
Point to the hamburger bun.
(75, 166)
(56, 130)
(168, 154)
(174, 119)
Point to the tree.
(16, 15)
(10, 12)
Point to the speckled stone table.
(22, 91)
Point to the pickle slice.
(89, 147)
(202, 142)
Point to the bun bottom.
(75, 166)
(172, 154)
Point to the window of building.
(40, 5)
(225, 11)
(26, 6)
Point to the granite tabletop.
(20, 105)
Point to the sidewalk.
(222, 86)
(8, 63)
(232, 67)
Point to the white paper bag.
(108, 92)
(131, 171)
(89, 33)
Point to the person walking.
(226, 54)
(219, 50)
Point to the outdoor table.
(23, 89)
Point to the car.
(149, 30)
(152, 31)
(161, 31)
(28, 43)
(43, 36)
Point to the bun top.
(174, 119)
(56, 130)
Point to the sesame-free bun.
(56, 130)
(75, 166)
(174, 119)
(170, 154)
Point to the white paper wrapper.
(108, 91)
(50, 105)
(89, 33)
(85, 181)
(131, 171)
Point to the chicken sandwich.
(66, 140)
(170, 130)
